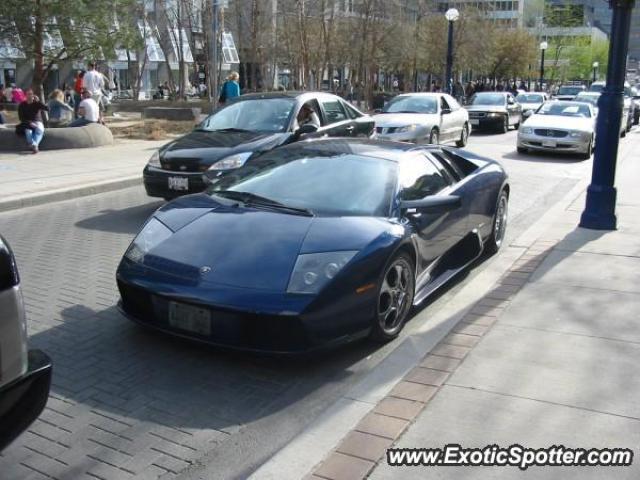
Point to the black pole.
(594, 74)
(599, 212)
(448, 79)
(542, 68)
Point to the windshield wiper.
(231, 129)
(252, 199)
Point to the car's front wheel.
(464, 136)
(395, 298)
(505, 124)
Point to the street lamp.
(451, 15)
(543, 47)
(595, 70)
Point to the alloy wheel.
(395, 297)
(500, 226)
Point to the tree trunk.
(38, 48)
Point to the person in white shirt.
(93, 81)
(88, 111)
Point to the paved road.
(131, 404)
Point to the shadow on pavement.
(542, 157)
(127, 220)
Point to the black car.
(249, 125)
(494, 110)
(314, 244)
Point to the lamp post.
(451, 15)
(599, 212)
(595, 71)
(543, 48)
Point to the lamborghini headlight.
(313, 271)
(151, 235)
(231, 162)
(154, 161)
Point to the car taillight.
(8, 269)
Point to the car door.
(447, 120)
(514, 110)
(419, 177)
(338, 123)
(458, 117)
(364, 124)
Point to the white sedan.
(560, 127)
(423, 118)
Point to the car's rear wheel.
(464, 136)
(493, 244)
(434, 137)
(395, 298)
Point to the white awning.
(150, 35)
(11, 47)
(180, 36)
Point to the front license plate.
(475, 122)
(178, 183)
(549, 143)
(190, 318)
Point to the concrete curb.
(68, 193)
(318, 443)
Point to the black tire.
(434, 137)
(499, 227)
(505, 124)
(522, 150)
(395, 298)
(636, 119)
(516, 126)
(464, 136)
(588, 153)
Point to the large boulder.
(92, 135)
(173, 114)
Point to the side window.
(461, 164)
(352, 112)
(451, 168)
(334, 111)
(443, 104)
(420, 178)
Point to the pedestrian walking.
(30, 114)
(93, 82)
(88, 111)
(77, 91)
(230, 88)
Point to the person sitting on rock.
(88, 111)
(60, 113)
(31, 120)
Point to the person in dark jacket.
(31, 120)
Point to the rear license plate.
(549, 143)
(178, 183)
(190, 318)
(475, 122)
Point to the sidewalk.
(548, 357)
(61, 174)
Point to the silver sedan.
(560, 127)
(423, 118)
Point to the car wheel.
(493, 244)
(522, 150)
(434, 137)
(395, 298)
(589, 152)
(505, 124)
(464, 136)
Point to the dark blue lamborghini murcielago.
(314, 244)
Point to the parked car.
(314, 244)
(531, 101)
(593, 98)
(247, 126)
(567, 92)
(495, 110)
(25, 375)
(631, 107)
(423, 118)
(560, 127)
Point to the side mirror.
(445, 111)
(306, 129)
(435, 204)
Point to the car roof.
(422, 94)
(364, 147)
(291, 94)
